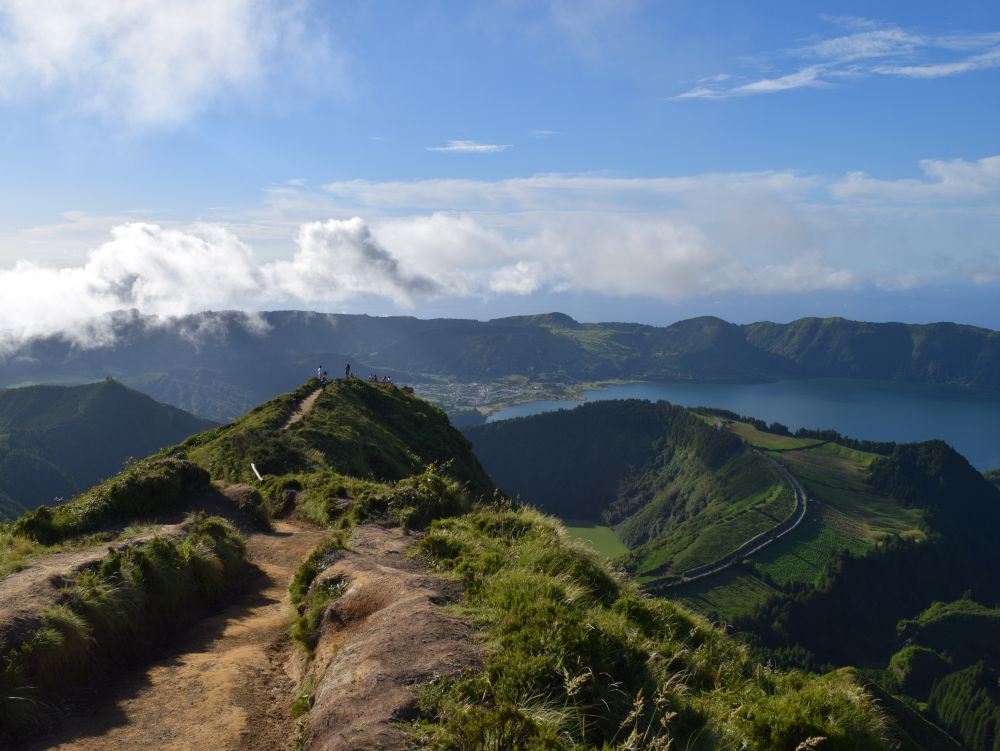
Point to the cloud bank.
(660, 239)
(170, 273)
(156, 62)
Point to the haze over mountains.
(217, 365)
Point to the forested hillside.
(680, 492)
(56, 441)
(219, 364)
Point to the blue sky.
(612, 159)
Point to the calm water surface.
(881, 411)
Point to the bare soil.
(304, 408)
(226, 685)
(384, 635)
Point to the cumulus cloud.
(868, 48)
(338, 260)
(170, 273)
(156, 62)
(521, 278)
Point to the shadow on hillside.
(214, 502)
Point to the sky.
(611, 159)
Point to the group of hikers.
(323, 376)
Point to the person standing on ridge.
(319, 373)
(347, 371)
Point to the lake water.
(876, 410)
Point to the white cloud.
(943, 180)
(521, 278)
(470, 147)
(339, 260)
(807, 77)
(669, 239)
(156, 62)
(870, 48)
(169, 273)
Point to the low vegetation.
(578, 658)
(993, 476)
(114, 610)
(356, 429)
(145, 488)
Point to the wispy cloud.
(543, 133)
(470, 147)
(158, 62)
(868, 48)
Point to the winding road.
(754, 544)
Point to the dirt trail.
(25, 593)
(225, 686)
(304, 408)
(386, 633)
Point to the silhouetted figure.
(347, 371)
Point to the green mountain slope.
(885, 536)
(576, 656)
(354, 428)
(221, 364)
(57, 440)
(679, 492)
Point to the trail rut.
(225, 686)
(304, 408)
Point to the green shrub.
(146, 488)
(305, 630)
(322, 557)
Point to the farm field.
(600, 538)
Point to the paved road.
(755, 544)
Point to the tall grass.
(114, 610)
(310, 601)
(578, 658)
(332, 499)
(146, 487)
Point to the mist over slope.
(220, 364)
(56, 441)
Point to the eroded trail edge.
(387, 633)
(225, 685)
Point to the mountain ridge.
(56, 441)
(219, 364)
